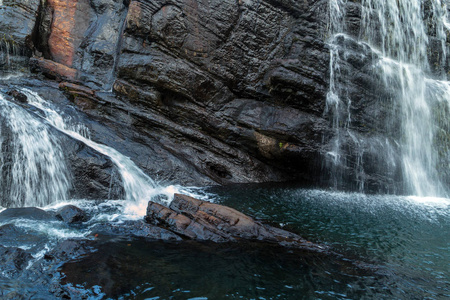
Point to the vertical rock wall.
(208, 91)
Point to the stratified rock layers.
(207, 92)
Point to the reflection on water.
(407, 235)
(388, 247)
(141, 270)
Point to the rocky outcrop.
(17, 22)
(83, 35)
(205, 221)
(240, 80)
(229, 91)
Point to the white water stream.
(35, 172)
(139, 187)
(400, 33)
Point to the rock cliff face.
(203, 92)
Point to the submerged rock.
(135, 229)
(12, 235)
(18, 96)
(13, 261)
(71, 214)
(201, 220)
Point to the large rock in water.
(201, 220)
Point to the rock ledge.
(201, 220)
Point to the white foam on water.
(51, 229)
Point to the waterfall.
(8, 51)
(32, 170)
(139, 188)
(404, 36)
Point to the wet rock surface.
(29, 213)
(13, 260)
(138, 229)
(205, 92)
(205, 221)
(218, 92)
(71, 214)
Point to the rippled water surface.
(387, 247)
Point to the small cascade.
(401, 37)
(12, 56)
(139, 187)
(33, 170)
(8, 50)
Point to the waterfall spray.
(399, 33)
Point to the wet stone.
(18, 96)
(135, 229)
(71, 214)
(30, 213)
(13, 261)
(201, 220)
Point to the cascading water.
(33, 173)
(403, 36)
(33, 168)
(139, 188)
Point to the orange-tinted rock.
(76, 88)
(84, 97)
(53, 69)
(202, 220)
(70, 21)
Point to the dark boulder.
(13, 261)
(95, 175)
(18, 96)
(30, 213)
(71, 214)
